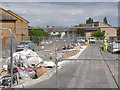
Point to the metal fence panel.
(74, 73)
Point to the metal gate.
(60, 84)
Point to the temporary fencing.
(54, 44)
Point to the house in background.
(56, 31)
(109, 32)
(9, 19)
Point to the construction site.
(63, 52)
(60, 63)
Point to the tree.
(118, 32)
(46, 34)
(80, 31)
(98, 34)
(89, 21)
(36, 35)
(36, 32)
(105, 20)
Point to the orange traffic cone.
(88, 44)
(43, 47)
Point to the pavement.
(86, 73)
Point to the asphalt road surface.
(86, 73)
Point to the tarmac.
(93, 74)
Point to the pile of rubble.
(26, 64)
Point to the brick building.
(9, 19)
(109, 32)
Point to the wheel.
(33, 49)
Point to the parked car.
(92, 40)
(25, 45)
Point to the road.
(86, 73)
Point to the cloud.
(38, 20)
(63, 13)
(60, 1)
(73, 11)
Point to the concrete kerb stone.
(73, 57)
(50, 73)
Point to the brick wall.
(20, 23)
(108, 31)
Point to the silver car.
(25, 45)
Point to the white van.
(92, 40)
(114, 47)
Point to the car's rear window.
(22, 43)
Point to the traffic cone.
(88, 44)
(43, 47)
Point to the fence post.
(57, 77)
(1, 51)
(11, 52)
(11, 55)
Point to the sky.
(60, 0)
(40, 13)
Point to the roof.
(92, 29)
(85, 25)
(4, 17)
(68, 29)
(102, 23)
(30, 27)
(57, 30)
(15, 16)
(71, 29)
(10, 12)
